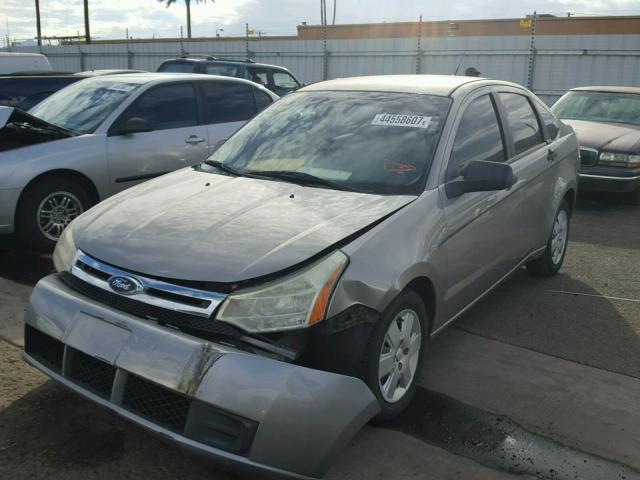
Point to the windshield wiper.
(302, 178)
(224, 168)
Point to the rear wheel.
(549, 264)
(395, 354)
(46, 209)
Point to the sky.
(149, 18)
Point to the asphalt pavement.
(557, 359)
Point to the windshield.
(599, 107)
(84, 105)
(365, 141)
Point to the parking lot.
(558, 359)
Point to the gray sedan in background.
(264, 305)
(101, 135)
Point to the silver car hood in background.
(198, 226)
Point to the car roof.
(227, 61)
(148, 77)
(443, 85)
(607, 88)
(160, 77)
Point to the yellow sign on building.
(525, 23)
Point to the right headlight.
(65, 251)
(615, 159)
(295, 301)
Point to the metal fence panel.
(561, 62)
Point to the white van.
(11, 62)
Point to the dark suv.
(277, 79)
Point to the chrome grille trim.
(145, 296)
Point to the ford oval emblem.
(125, 285)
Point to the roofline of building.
(602, 25)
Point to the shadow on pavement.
(586, 328)
(52, 433)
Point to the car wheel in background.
(549, 264)
(395, 353)
(46, 208)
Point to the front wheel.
(47, 208)
(395, 354)
(549, 264)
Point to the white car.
(12, 62)
(101, 135)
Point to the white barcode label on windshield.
(395, 120)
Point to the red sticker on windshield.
(396, 167)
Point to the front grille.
(91, 373)
(588, 157)
(156, 403)
(47, 350)
(183, 321)
(162, 406)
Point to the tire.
(408, 305)
(57, 198)
(551, 261)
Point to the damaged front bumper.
(252, 414)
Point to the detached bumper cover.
(253, 414)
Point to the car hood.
(199, 226)
(614, 137)
(19, 129)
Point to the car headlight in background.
(65, 251)
(619, 160)
(295, 301)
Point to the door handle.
(194, 139)
(551, 155)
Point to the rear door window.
(223, 70)
(478, 138)
(259, 76)
(521, 121)
(549, 121)
(228, 102)
(165, 107)
(177, 67)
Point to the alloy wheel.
(56, 211)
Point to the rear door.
(533, 164)
(227, 106)
(178, 139)
(479, 240)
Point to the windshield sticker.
(394, 120)
(397, 167)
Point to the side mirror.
(133, 125)
(481, 176)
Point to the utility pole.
(87, 33)
(334, 12)
(38, 29)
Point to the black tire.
(27, 215)
(410, 300)
(545, 266)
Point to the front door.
(480, 225)
(177, 138)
